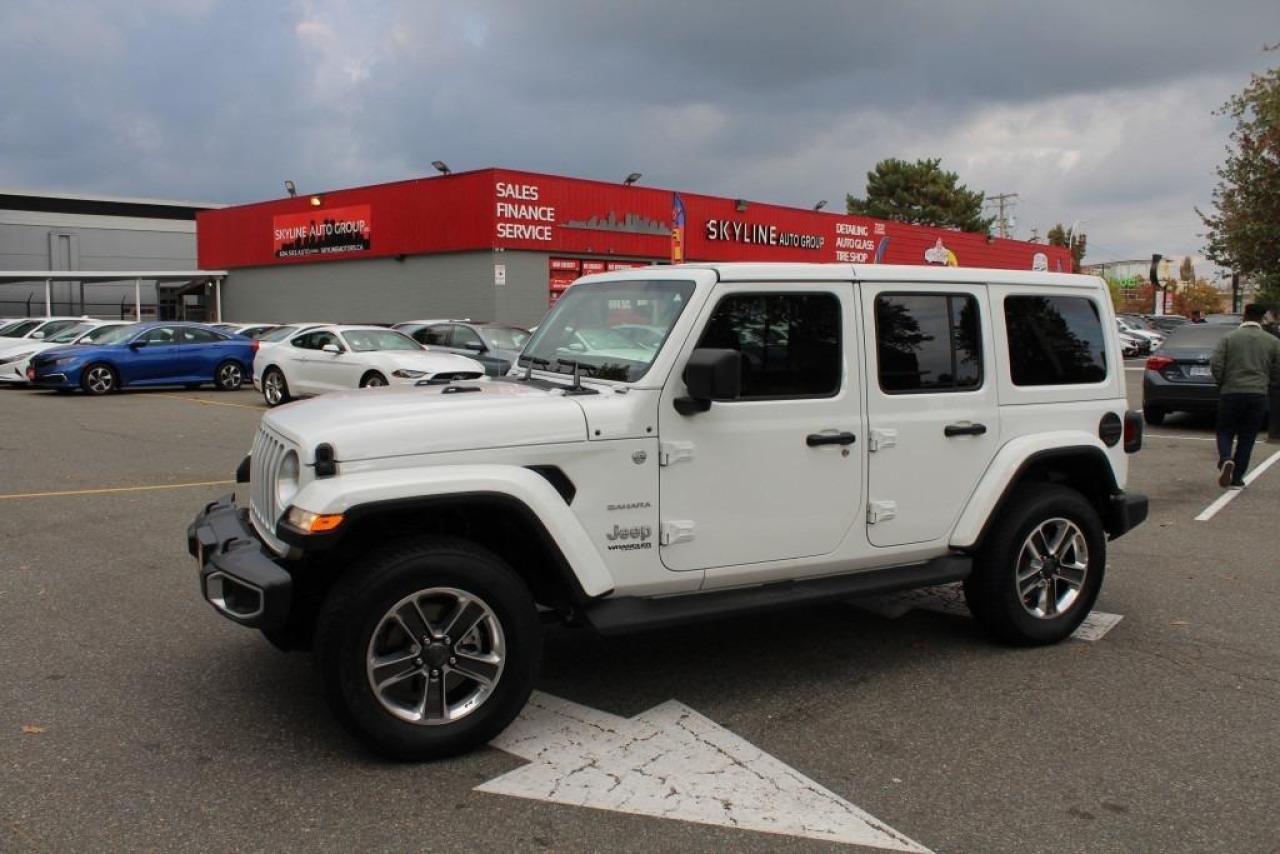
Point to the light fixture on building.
(822, 203)
(315, 201)
(441, 167)
(631, 179)
(740, 205)
(291, 188)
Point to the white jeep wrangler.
(681, 443)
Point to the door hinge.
(881, 511)
(881, 438)
(675, 532)
(674, 452)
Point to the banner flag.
(677, 229)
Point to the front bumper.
(238, 576)
(1126, 511)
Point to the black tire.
(357, 608)
(373, 379)
(992, 590)
(1153, 415)
(269, 380)
(229, 376)
(99, 379)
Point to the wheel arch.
(1083, 467)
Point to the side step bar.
(633, 613)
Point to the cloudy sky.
(1094, 110)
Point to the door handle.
(815, 439)
(964, 430)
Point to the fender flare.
(361, 493)
(1006, 470)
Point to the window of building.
(928, 342)
(1055, 340)
(790, 343)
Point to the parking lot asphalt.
(133, 717)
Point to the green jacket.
(1246, 361)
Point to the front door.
(932, 406)
(776, 474)
(157, 358)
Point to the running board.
(634, 613)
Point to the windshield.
(109, 335)
(505, 337)
(21, 328)
(581, 327)
(69, 334)
(365, 340)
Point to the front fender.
(1004, 469)
(344, 493)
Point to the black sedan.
(1177, 377)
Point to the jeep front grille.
(268, 451)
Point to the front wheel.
(373, 379)
(99, 379)
(1039, 572)
(429, 648)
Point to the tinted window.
(161, 335)
(1055, 340)
(317, 340)
(437, 336)
(790, 343)
(462, 336)
(199, 336)
(928, 342)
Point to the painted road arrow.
(672, 762)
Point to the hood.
(435, 363)
(407, 419)
(81, 351)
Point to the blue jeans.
(1239, 420)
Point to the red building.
(500, 244)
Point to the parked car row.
(283, 361)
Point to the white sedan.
(333, 358)
(16, 353)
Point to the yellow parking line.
(114, 489)
(211, 402)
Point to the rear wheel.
(373, 379)
(1038, 574)
(229, 376)
(275, 390)
(429, 648)
(1153, 414)
(98, 379)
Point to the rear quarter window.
(1055, 340)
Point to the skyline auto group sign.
(327, 232)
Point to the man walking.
(1244, 363)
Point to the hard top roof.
(800, 272)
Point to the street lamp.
(631, 179)
(441, 167)
(822, 203)
(291, 188)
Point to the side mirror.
(135, 345)
(710, 374)
(35, 335)
(332, 348)
(475, 347)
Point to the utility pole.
(1004, 203)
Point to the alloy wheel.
(273, 387)
(230, 376)
(100, 379)
(436, 656)
(1052, 566)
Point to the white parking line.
(1185, 438)
(1227, 497)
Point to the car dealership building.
(497, 244)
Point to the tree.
(1244, 227)
(921, 193)
(1198, 296)
(1186, 270)
(1057, 236)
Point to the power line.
(1004, 203)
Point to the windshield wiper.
(532, 360)
(578, 387)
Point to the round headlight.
(287, 479)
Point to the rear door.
(932, 406)
(202, 350)
(776, 474)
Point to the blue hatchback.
(147, 354)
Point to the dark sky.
(1100, 112)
